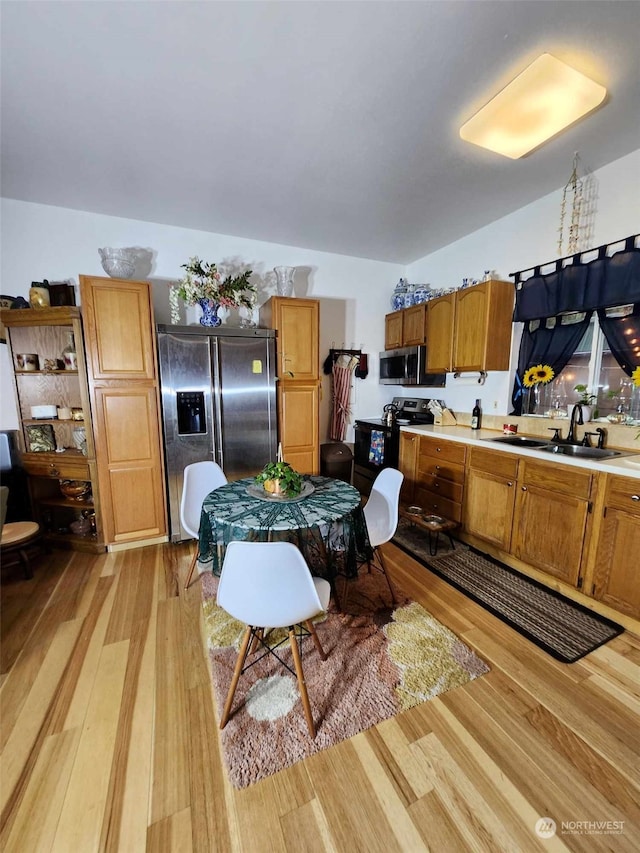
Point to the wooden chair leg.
(311, 628)
(242, 656)
(192, 567)
(301, 682)
(258, 635)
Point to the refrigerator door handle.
(216, 400)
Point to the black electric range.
(377, 445)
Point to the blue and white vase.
(398, 295)
(209, 313)
(409, 299)
(421, 293)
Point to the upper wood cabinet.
(297, 322)
(393, 326)
(440, 321)
(406, 328)
(483, 326)
(123, 385)
(616, 581)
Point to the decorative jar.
(397, 297)
(421, 293)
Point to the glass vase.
(284, 280)
(209, 313)
(69, 354)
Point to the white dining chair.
(381, 516)
(268, 585)
(200, 478)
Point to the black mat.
(561, 627)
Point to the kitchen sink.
(521, 441)
(580, 452)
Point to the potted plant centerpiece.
(204, 285)
(585, 400)
(279, 478)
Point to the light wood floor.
(109, 738)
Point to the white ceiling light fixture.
(542, 100)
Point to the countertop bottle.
(476, 416)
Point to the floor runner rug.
(380, 662)
(563, 628)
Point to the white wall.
(521, 240)
(58, 244)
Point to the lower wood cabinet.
(407, 462)
(616, 576)
(552, 507)
(490, 496)
(439, 477)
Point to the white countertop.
(628, 465)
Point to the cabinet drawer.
(558, 478)
(448, 450)
(492, 462)
(439, 486)
(623, 493)
(435, 466)
(71, 469)
(438, 505)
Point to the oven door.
(375, 447)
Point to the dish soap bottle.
(476, 416)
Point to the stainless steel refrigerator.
(218, 402)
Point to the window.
(594, 366)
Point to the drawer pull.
(509, 484)
(54, 472)
(635, 497)
(524, 489)
(437, 450)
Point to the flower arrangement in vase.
(534, 377)
(203, 284)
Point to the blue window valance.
(605, 281)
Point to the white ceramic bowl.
(118, 263)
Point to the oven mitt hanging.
(362, 369)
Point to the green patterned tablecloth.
(328, 526)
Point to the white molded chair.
(381, 514)
(200, 478)
(269, 585)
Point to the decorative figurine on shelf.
(39, 294)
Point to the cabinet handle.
(437, 467)
(54, 472)
(524, 489)
(509, 484)
(437, 450)
(635, 497)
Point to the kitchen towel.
(376, 447)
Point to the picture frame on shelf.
(41, 438)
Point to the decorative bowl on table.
(118, 263)
(76, 490)
(280, 480)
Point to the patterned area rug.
(379, 662)
(564, 629)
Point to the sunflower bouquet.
(539, 374)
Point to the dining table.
(325, 521)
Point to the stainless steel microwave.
(408, 366)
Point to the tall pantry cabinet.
(297, 322)
(123, 388)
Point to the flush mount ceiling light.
(545, 98)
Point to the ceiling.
(330, 126)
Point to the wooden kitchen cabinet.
(490, 494)
(483, 326)
(393, 329)
(414, 325)
(440, 477)
(616, 579)
(124, 392)
(46, 332)
(297, 323)
(552, 509)
(407, 464)
(406, 328)
(440, 322)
